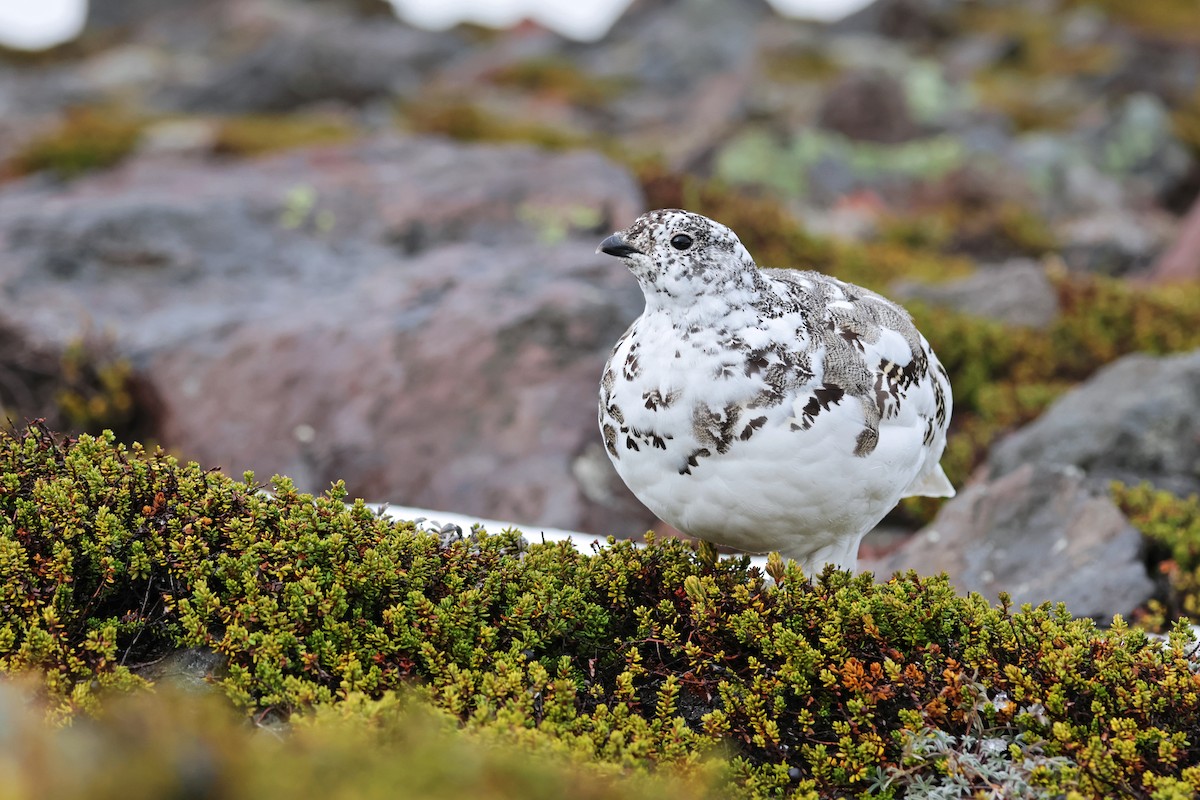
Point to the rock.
(1040, 534)
(1181, 262)
(1137, 143)
(1167, 68)
(103, 15)
(1135, 420)
(688, 68)
(1016, 292)
(317, 59)
(1116, 242)
(669, 46)
(424, 320)
(869, 106)
(916, 21)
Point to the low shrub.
(640, 658)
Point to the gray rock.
(1117, 242)
(668, 45)
(688, 66)
(917, 21)
(103, 15)
(1040, 534)
(1016, 292)
(1138, 143)
(425, 320)
(1136, 420)
(868, 106)
(345, 60)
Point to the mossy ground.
(86, 139)
(636, 661)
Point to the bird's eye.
(681, 241)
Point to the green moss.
(636, 660)
(558, 79)
(255, 135)
(1037, 56)
(1186, 123)
(995, 230)
(799, 64)
(1173, 525)
(87, 139)
(1009, 94)
(468, 122)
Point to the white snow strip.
(433, 520)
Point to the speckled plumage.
(766, 410)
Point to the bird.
(767, 410)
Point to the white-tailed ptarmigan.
(767, 410)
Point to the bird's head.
(679, 254)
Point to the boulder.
(688, 69)
(868, 105)
(1135, 420)
(1039, 533)
(424, 320)
(1016, 292)
(1119, 242)
(316, 59)
(921, 22)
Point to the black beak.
(616, 246)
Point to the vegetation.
(469, 122)
(169, 744)
(81, 387)
(646, 661)
(87, 139)
(557, 79)
(1172, 524)
(258, 134)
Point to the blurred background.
(334, 241)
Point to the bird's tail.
(932, 482)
